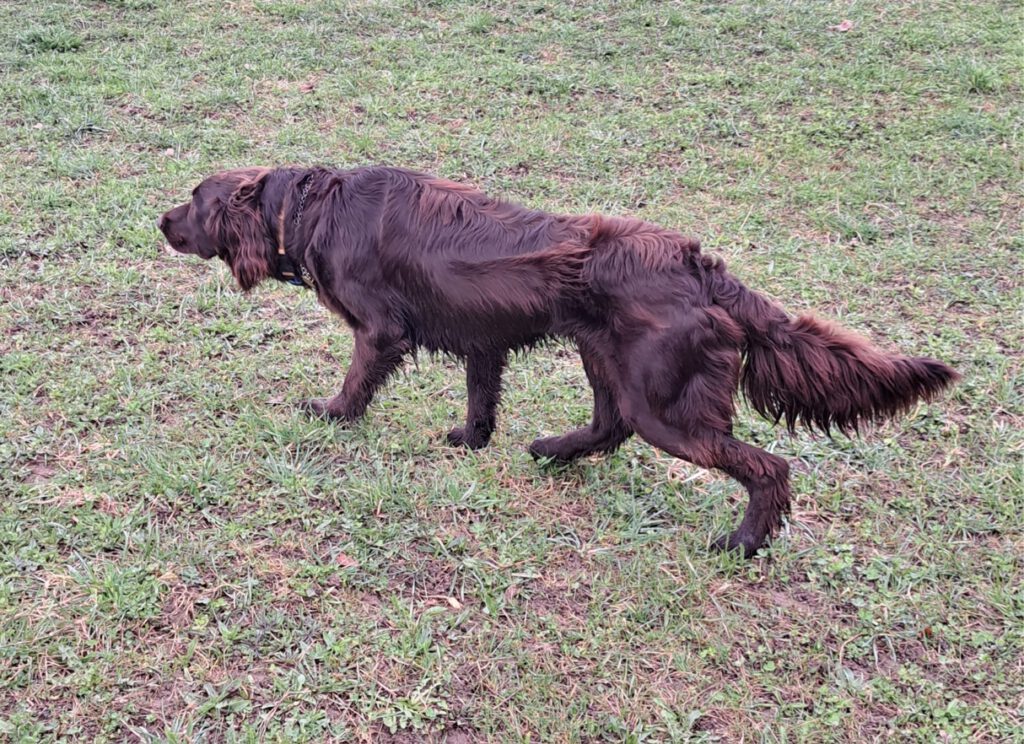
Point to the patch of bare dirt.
(423, 578)
(39, 472)
(563, 591)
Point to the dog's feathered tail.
(526, 284)
(809, 370)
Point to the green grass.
(185, 557)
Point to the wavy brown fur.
(410, 260)
(239, 230)
(809, 370)
(521, 285)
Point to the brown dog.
(410, 260)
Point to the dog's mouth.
(178, 246)
(174, 242)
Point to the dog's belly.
(463, 336)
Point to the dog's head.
(224, 219)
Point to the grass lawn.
(185, 557)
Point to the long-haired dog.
(666, 334)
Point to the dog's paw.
(749, 544)
(548, 451)
(317, 408)
(458, 437)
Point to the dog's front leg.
(376, 355)
(483, 383)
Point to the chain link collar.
(304, 278)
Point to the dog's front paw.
(746, 542)
(459, 437)
(317, 407)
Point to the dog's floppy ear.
(238, 225)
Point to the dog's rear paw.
(749, 544)
(458, 437)
(548, 450)
(317, 407)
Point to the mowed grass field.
(185, 557)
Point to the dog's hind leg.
(678, 391)
(607, 430)
(765, 476)
(483, 386)
(375, 357)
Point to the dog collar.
(303, 278)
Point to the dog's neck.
(292, 269)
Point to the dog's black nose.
(160, 222)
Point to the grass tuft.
(978, 78)
(51, 40)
